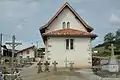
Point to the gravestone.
(47, 66)
(39, 67)
(113, 64)
(71, 66)
(1, 73)
(55, 65)
(66, 63)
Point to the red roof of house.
(69, 32)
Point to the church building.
(67, 38)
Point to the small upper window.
(64, 25)
(68, 24)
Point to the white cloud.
(114, 19)
(19, 27)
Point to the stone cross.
(112, 50)
(54, 64)
(47, 66)
(71, 66)
(39, 67)
(66, 62)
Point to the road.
(31, 74)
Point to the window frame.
(69, 44)
(68, 24)
(64, 25)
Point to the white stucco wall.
(66, 16)
(80, 55)
(24, 54)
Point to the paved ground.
(84, 74)
(31, 74)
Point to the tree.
(117, 40)
(117, 36)
(109, 37)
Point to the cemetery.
(110, 67)
(68, 52)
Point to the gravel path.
(31, 74)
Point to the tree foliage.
(117, 36)
(109, 37)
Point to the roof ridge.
(73, 11)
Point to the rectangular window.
(71, 44)
(67, 43)
(28, 51)
(28, 57)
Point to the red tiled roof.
(69, 32)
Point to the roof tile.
(69, 32)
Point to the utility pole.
(37, 44)
(13, 45)
(36, 48)
(0, 45)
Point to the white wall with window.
(63, 48)
(27, 53)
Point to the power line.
(1, 44)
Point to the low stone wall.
(108, 79)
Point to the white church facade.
(67, 38)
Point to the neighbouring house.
(27, 53)
(67, 38)
(7, 54)
(40, 54)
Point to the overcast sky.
(24, 17)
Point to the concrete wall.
(66, 16)
(80, 55)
